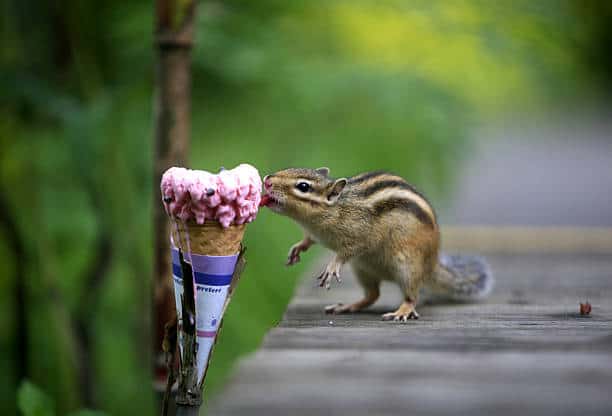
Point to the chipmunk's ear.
(323, 171)
(335, 190)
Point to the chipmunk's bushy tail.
(461, 278)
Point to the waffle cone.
(210, 238)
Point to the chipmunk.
(383, 227)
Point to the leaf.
(32, 401)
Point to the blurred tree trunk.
(173, 40)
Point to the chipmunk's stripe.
(365, 176)
(394, 188)
(385, 205)
(383, 180)
(389, 183)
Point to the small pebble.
(585, 308)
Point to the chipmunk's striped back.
(382, 192)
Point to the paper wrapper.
(213, 257)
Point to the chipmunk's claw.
(293, 258)
(403, 314)
(326, 278)
(337, 308)
(332, 270)
(294, 252)
(392, 316)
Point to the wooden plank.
(339, 382)
(526, 350)
(528, 240)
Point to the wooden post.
(174, 27)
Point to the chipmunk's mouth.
(271, 201)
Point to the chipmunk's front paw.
(404, 313)
(294, 252)
(337, 308)
(294, 255)
(331, 271)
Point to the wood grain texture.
(526, 350)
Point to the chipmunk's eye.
(303, 186)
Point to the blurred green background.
(353, 85)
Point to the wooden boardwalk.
(526, 350)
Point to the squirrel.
(383, 227)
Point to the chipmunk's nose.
(267, 181)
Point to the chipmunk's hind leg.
(371, 290)
(410, 281)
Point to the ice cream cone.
(208, 213)
(209, 239)
(212, 252)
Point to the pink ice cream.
(229, 197)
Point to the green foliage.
(353, 85)
(87, 412)
(32, 401)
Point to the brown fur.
(378, 223)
